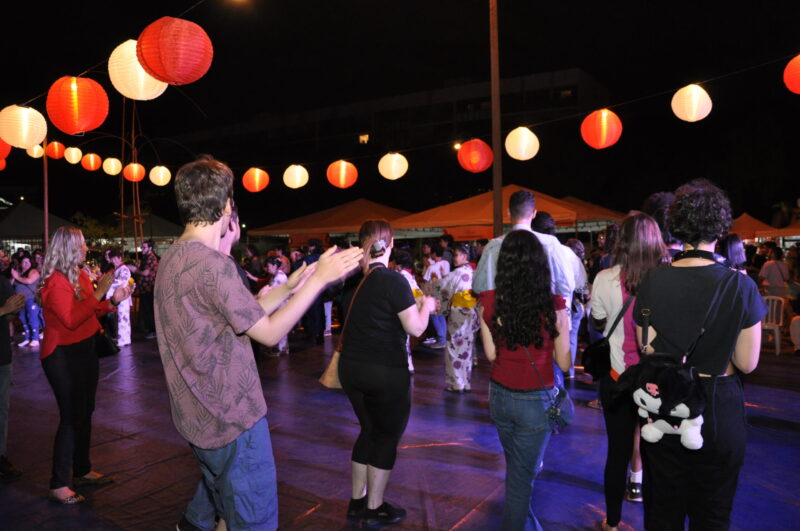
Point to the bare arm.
(486, 336)
(32, 277)
(748, 347)
(415, 317)
(562, 353)
(271, 297)
(651, 335)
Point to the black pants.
(72, 371)
(147, 321)
(381, 400)
(698, 484)
(314, 318)
(621, 418)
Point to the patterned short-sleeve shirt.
(202, 313)
(147, 282)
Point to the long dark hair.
(524, 302)
(639, 249)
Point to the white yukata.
(122, 276)
(454, 291)
(412, 282)
(278, 279)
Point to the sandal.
(72, 499)
(98, 479)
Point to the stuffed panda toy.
(669, 398)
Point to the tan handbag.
(330, 378)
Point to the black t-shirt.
(5, 339)
(373, 332)
(678, 299)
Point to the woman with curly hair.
(697, 297)
(523, 328)
(639, 249)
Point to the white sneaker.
(34, 343)
(24, 343)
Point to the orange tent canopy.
(477, 210)
(746, 226)
(339, 219)
(587, 211)
(791, 230)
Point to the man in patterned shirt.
(147, 281)
(205, 318)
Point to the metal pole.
(497, 147)
(46, 199)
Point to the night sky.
(276, 56)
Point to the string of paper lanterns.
(76, 104)
(54, 150)
(295, 176)
(91, 162)
(128, 76)
(342, 174)
(255, 180)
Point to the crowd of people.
(649, 284)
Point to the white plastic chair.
(774, 319)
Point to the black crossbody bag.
(596, 358)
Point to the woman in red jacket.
(71, 307)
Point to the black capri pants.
(381, 399)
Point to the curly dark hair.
(701, 212)
(524, 303)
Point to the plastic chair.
(774, 319)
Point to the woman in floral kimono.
(274, 264)
(404, 264)
(454, 291)
(122, 277)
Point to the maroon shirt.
(512, 368)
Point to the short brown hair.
(202, 188)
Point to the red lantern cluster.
(91, 162)
(475, 155)
(255, 180)
(791, 75)
(77, 104)
(342, 174)
(174, 50)
(601, 129)
(55, 150)
(134, 172)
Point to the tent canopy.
(346, 218)
(746, 227)
(25, 221)
(785, 232)
(464, 215)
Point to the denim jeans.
(72, 371)
(5, 398)
(577, 316)
(238, 484)
(440, 324)
(521, 421)
(31, 318)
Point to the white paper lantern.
(36, 151)
(112, 166)
(691, 103)
(22, 127)
(522, 144)
(73, 155)
(393, 166)
(295, 176)
(160, 175)
(128, 76)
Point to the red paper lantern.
(5, 149)
(77, 104)
(134, 172)
(91, 162)
(475, 155)
(255, 180)
(601, 129)
(791, 75)
(342, 174)
(55, 150)
(174, 50)
(2, 164)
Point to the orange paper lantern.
(5, 149)
(55, 150)
(174, 50)
(255, 180)
(134, 172)
(342, 174)
(91, 162)
(475, 155)
(2, 164)
(77, 104)
(601, 129)
(791, 75)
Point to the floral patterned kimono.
(455, 293)
(122, 276)
(412, 283)
(281, 278)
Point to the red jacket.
(68, 319)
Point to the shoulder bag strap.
(621, 314)
(350, 307)
(539, 375)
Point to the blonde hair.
(375, 237)
(64, 255)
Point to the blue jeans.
(440, 324)
(5, 398)
(521, 421)
(31, 318)
(577, 316)
(238, 484)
